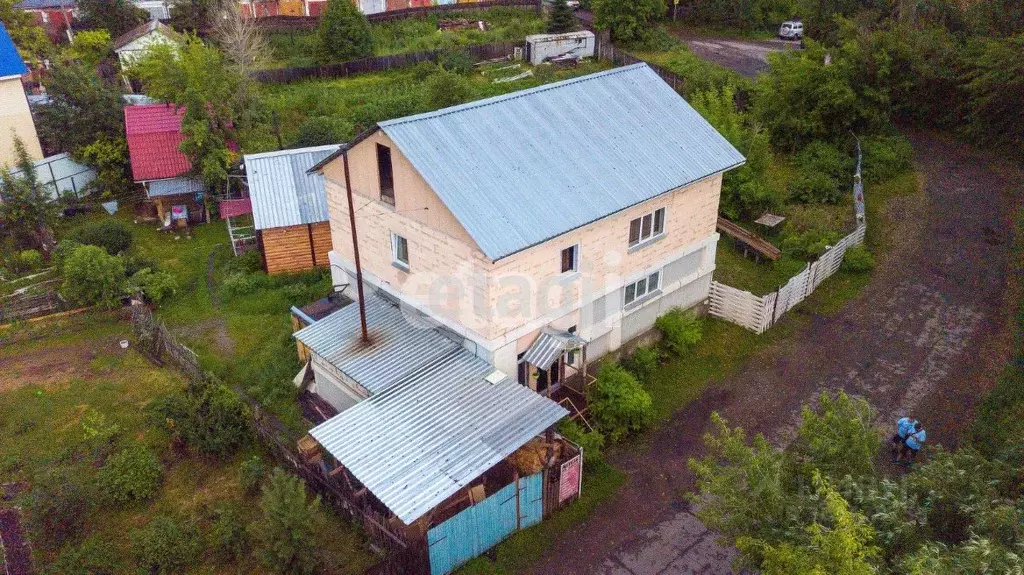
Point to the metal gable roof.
(519, 169)
(432, 430)
(11, 63)
(282, 190)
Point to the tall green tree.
(26, 212)
(30, 39)
(343, 33)
(114, 16)
(289, 530)
(90, 47)
(995, 84)
(191, 15)
(215, 96)
(628, 20)
(562, 18)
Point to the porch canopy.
(423, 436)
(550, 345)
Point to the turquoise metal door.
(531, 500)
(472, 531)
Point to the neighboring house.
(62, 176)
(131, 45)
(289, 208)
(580, 209)
(54, 16)
(154, 139)
(15, 116)
(158, 9)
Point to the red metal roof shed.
(154, 135)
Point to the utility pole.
(355, 248)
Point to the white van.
(791, 30)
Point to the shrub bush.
(27, 261)
(838, 437)
(61, 253)
(343, 34)
(93, 557)
(56, 508)
(166, 544)
(858, 259)
(680, 330)
(93, 277)
(824, 175)
(885, 157)
(642, 362)
(457, 61)
(321, 131)
(444, 88)
(135, 262)
(110, 234)
(155, 286)
(208, 417)
(227, 536)
(251, 474)
(247, 263)
(289, 531)
(238, 284)
(619, 404)
(592, 442)
(133, 474)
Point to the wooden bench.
(750, 241)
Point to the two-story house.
(498, 242)
(585, 207)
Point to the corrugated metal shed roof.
(398, 347)
(433, 431)
(11, 63)
(174, 187)
(519, 169)
(282, 192)
(549, 345)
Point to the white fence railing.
(758, 313)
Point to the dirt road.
(746, 57)
(930, 332)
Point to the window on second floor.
(385, 175)
(647, 227)
(642, 288)
(571, 259)
(400, 252)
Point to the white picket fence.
(758, 313)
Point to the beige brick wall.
(16, 119)
(450, 277)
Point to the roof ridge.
(291, 151)
(511, 96)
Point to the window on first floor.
(647, 227)
(571, 259)
(642, 288)
(400, 251)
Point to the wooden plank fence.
(398, 555)
(279, 23)
(758, 313)
(378, 63)
(24, 306)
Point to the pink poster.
(572, 475)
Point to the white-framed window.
(642, 288)
(647, 227)
(571, 259)
(400, 251)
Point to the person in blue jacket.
(914, 441)
(904, 426)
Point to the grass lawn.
(351, 105)
(297, 48)
(54, 375)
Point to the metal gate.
(480, 527)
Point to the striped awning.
(549, 345)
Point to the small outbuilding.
(542, 48)
(133, 43)
(289, 208)
(154, 148)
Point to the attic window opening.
(385, 175)
(571, 259)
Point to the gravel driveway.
(746, 57)
(930, 332)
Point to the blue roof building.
(11, 63)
